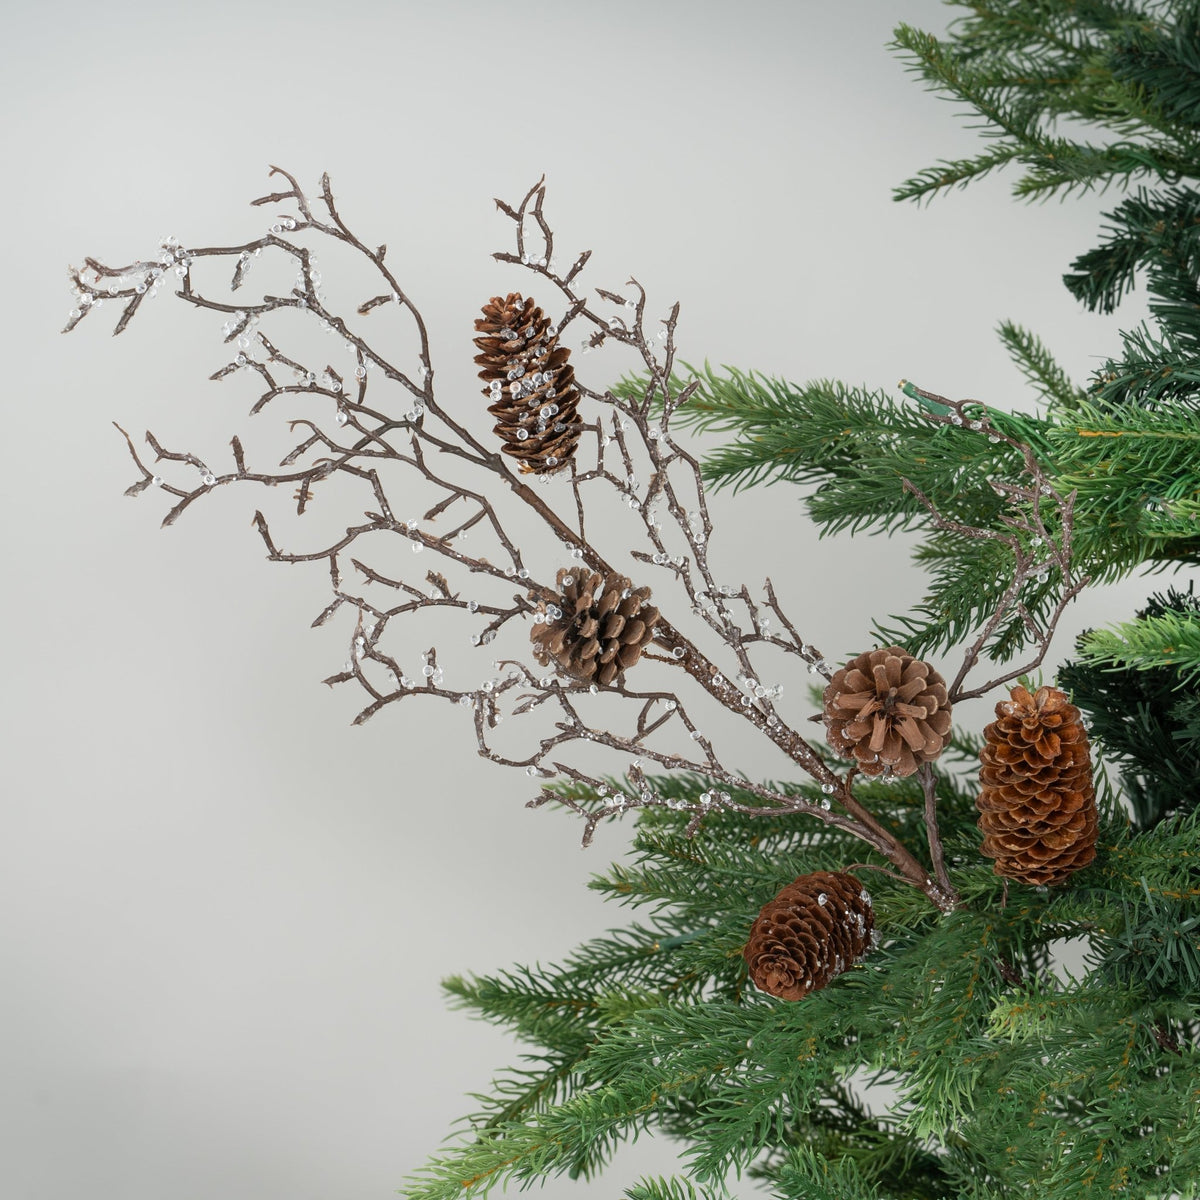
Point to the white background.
(225, 911)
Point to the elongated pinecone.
(531, 384)
(597, 627)
(1037, 802)
(819, 925)
(887, 709)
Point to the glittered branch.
(378, 428)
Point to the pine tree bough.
(382, 419)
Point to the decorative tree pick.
(530, 382)
(887, 710)
(1037, 805)
(387, 428)
(814, 929)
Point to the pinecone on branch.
(1037, 802)
(887, 709)
(530, 382)
(596, 628)
(819, 925)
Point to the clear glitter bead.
(427, 670)
(157, 481)
(678, 652)
(823, 898)
(417, 547)
(342, 417)
(209, 479)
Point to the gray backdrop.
(226, 912)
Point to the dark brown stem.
(936, 853)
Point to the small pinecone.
(819, 925)
(887, 709)
(596, 628)
(1037, 803)
(531, 384)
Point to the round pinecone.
(596, 628)
(1037, 802)
(531, 384)
(887, 709)
(819, 925)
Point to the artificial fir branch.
(1143, 715)
(1021, 68)
(1034, 360)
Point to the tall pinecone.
(1037, 802)
(819, 925)
(531, 384)
(597, 626)
(887, 709)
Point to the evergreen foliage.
(1012, 1076)
(1143, 712)
(965, 1017)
